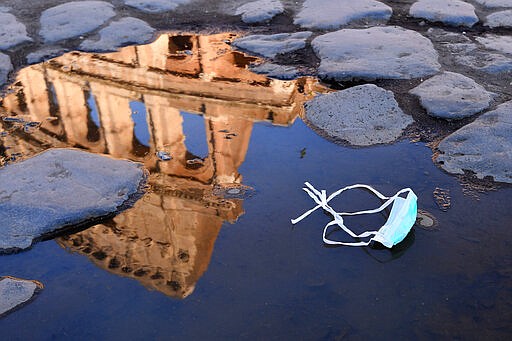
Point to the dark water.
(183, 264)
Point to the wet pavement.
(209, 251)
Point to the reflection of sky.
(194, 131)
(93, 110)
(139, 117)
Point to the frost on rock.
(155, 6)
(276, 71)
(270, 45)
(120, 33)
(450, 12)
(452, 96)
(5, 68)
(45, 53)
(61, 188)
(499, 19)
(15, 292)
(491, 63)
(388, 52)
(483, 147)
(74, 18)
(332, 14)
(12, 32)
(259, 11)
(495, 3)
(363, 115)
(498, 43)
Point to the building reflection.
(90, 101)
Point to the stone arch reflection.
(86, 100)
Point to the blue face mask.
(399, 223)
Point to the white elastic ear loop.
(322, 201)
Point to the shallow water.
(188, 263)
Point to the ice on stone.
(259, 11)
(155, 6)
(332, 14)
(363, 115)
(276, 71)
(498, 43)
(483, 147)
(5, 68)
(270, 45)
(388, 52)
(450, 12)
(452, 96)
(120, 33)
(495, 3)
(12, 32)
(499, 19)
(60, 188)
(74, 18)
(15, 292)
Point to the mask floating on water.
(399, 223)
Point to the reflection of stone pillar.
(116, 121)
(229, 150)
(154, 55)
(167, 132)
(72, 108)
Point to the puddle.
(211, 241)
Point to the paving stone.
(74, 18)
(450, 12)
(270, 45)
(15, 292)
(12, 32)
(120, 33)
(363, 115)
(332, 14)
(155, 6)
(259, 11)
(499, 19)
(388, 52)
(5, 68)
(276, 71)
(498, 43)
(495, 3)
(491, 63)
(45, 53)
(60, 188)
(452, 96)
(483, 147)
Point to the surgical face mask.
(399, 223)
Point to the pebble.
(271, 45)
(450, 12)
(259, 11)
(120, 33)
(388, 52)
(363, 115)
(332, 14)
(452, 96)
(12, 32)
(61, 188)
(483, 147)
(73, 19)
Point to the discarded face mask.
(399, 223)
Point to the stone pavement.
(460, 50)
